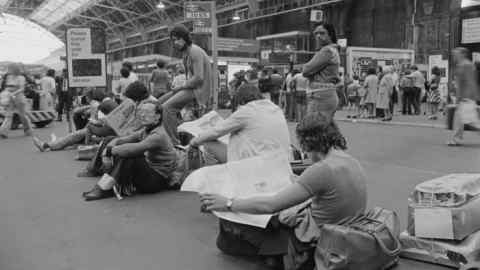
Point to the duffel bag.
(368, 243)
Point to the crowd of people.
(147, 159)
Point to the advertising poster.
(86, 58)
(360, 59)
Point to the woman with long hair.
(323, 72)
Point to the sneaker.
(42, 146)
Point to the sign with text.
(238, 45)
(471, 30)
(201, 15)
(86, 61)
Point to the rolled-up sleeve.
(235, 122)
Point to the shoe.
(87, 173)
(3, 136)
(39, 144)
(453, 142)
(97, 194)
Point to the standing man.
(467, 94)
(198, 86)
(418, 87)
(159, 80)
(64, 95)
(277, 83)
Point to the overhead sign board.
(471, 30)
(201, 15)
(86, 58)
(238, 45)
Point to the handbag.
(370, 242)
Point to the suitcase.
(445, 207)
(458, 254)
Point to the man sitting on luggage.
(335, 184)
(142, 162)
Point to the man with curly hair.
(335, 184)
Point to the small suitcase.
(459, 254)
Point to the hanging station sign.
(201, 14)
(86, 57)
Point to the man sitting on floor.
(142, 162)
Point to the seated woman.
(257, 126)
(335, 183)
(142, 162)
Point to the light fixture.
(161, 5)
(236, 17)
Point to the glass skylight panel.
(53, 11)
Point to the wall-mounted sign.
(238, 45)
(201, 15)
(316, 16)
(471, 30)
(86, 58)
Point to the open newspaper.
(203, 124)
(122, 119)
(261, 175)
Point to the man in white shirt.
(418, 87)
(47, 83)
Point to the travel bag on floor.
(368, 243)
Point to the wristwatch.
(229, 204)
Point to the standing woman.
(15, 86)
(371, 87)
(433, 96)
(385, 91)
(322, 72)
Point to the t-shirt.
(163, 158)
(418, 79)
(352, 89)
(122, 85)
(179, 80)
(301, 83)
(338, 187)
(197, 62)
(47, 84)
(255, 128)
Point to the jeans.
(18, 105)
(80, 136)
(324, 102)
(172, 104)
(290, 106)
(417, 92)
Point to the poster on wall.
(86, 57)
(360, 59)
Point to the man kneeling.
(143, 162)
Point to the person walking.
(13, 91)
(467, 94)
(323, 72)
(299, 86)
(371, 87)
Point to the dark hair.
(275, 71)
(181, 31)
(137, 91)
(161, 64)
(436, 71)
(95, 94)
(247, 93)
(355, 77)
(124, 72)
(414, 67)
(127, 65)
(318, 133)
(107, 106)
(51, 73)
(371, 71)
(330, 30)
